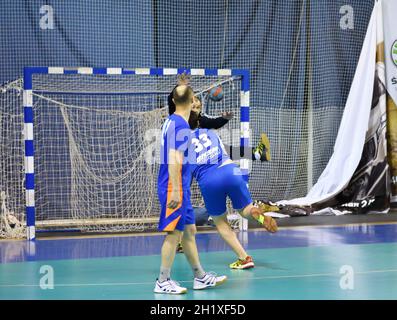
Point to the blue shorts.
(171, 219)
(219, 183)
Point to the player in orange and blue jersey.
(175, 136)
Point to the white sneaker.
(209, 280)
(169, 286)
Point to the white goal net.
(96, 145)
(12, 200)
(301, 56)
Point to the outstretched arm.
(212, 123)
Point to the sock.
(198, 271)
(165, 273)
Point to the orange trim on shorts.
(172, 225)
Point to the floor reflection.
(84, 248)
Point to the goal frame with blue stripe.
(28, 90)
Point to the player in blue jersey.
(177, 215)
(261, 152)
(218, 178)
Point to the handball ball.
(216, 94)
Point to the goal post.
(86, 139)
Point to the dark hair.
(171, 104)
(182, 96)
(194, 120)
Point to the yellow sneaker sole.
(266, 142)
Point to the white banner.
(356, 176)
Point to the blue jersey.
(176, 134)
(206, 152)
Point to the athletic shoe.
(209, 280)
(246, 263)
(169, 286)
(296, 211)
(267, 222)
(262, 150)
(179, 248)
(266, 206)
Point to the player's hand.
(227, 115)
(183, 79)
(175, 199)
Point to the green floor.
(287, 273)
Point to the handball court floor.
(299, 262)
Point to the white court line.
(189, 281)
